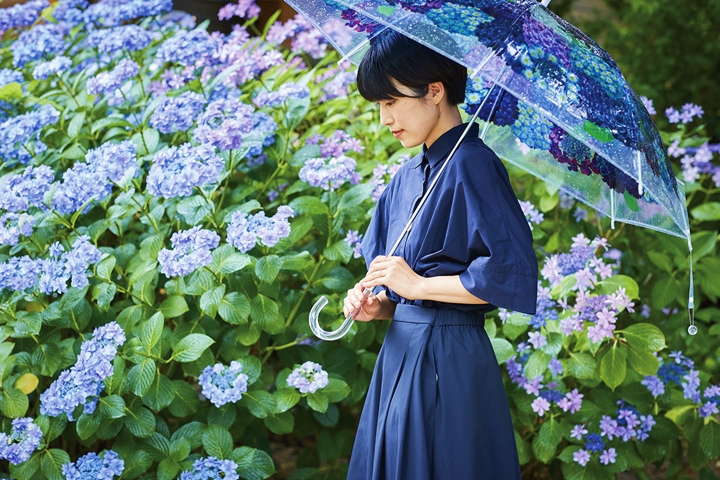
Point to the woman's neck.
(449, 118)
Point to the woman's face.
(411, 120)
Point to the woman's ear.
(436, 91)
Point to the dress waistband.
(433, 316)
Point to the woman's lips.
(397, 133)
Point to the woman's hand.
(354, 298)
(394, 273)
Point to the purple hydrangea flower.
(41, 41)
(571, 402)
(540, 406)
(83, 382)
(246, 230)
(221, 384)
(190, 48)
(109, 163)
(354, 241)
(177, 113)
(211, 467)
(581, 457)
(329, 174)
(12, 225)
(223, 124)
(578, 431)
(277, 97)
(108, 82)
(608, 456)
(241, 9)
(648, 104)
(532, 214)
(308, 377)
(337, 83)
(555, 366)
(191, 250)
(93, 466)
(19, 273)
(22, 191)
(382, 174)
(22, 442)
(126, 37)
(22, 15)
(19, 136)
(176, 170)
(61, 266)
(654, 384)
(57, 65)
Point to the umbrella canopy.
(550, 100)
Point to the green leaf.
(194, 209)
(232, 263)
(267, 268)
(210, 300)
(234, 308)
(709, 211)
(304, 154)
(103, 294)
(355, 196)
(286, 398)
(553, 345)
(14, 402)
(265, 312)
(87, 425)
(703, 243)
(297, 262)
(644, 336)
(109, 122)
(613, 367)
(141, 376)
(191, 347)
(173, 307)
(146, 141)
(318, 401)
(52, 463)
(112, 406)
(251, 367)
(168, 469)
(180, 449)
(281, 423)
(610, 285)
(536, 364)
(309, 206)
(338, 279)
(140, 421)
(217, 441)
(105, 267)
(336, 390)
(186, 401)
(160, 394)
(259, 402)
(581, 365)
(253, 464)
(547, 440)
(339, 250)
(710, 439)
(75, 125)
(152, 331)
(13, 91)
(643, 362)
(248, 333)
(502, 348)
(26, 470)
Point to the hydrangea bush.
(171, 206)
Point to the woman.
(436, 406)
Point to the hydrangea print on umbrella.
(190, 48)
(110, 163)
(176, 170)
(20, 136)
(222, 384)
(123, 38)
(22, 15)
(57, 65)
(246, 230)
(329, 174)
(108, 82)
(223, 124)
(41, 41)
(92, 466)
(22, 442)
(83, 382)
(177, 113)
(211, 468)
(308, 377)
(286, 91)
(191, 250)
(12, 225)
(22, 191)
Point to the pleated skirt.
(436, 406)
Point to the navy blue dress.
(436, 407)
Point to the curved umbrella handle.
(344, 328)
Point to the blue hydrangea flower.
(175, 19)
(126, 37)
(246, 230)
(264, 123)
(8, 75)
(57, 65)
(21, 135)
(177, 113)
(12, 225)
(22, 191)
(22, 15)
(189, 48)
(41, 41)
(95, 467)
(176, 170)
(594, 442)
(329, 174)
(211, 468)
(308, 377)
(108, 82)
(19, 273)
(22, 442)
(191, 250)
(221, 384)
(83, 382)
(109, 163)
(277, 97)
(354, 241)
(223, 124)
(70, 12)
(110, 14)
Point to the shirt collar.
(444, 144)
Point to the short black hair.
(393, 55)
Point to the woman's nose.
(385, 119)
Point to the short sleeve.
(503, 269)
